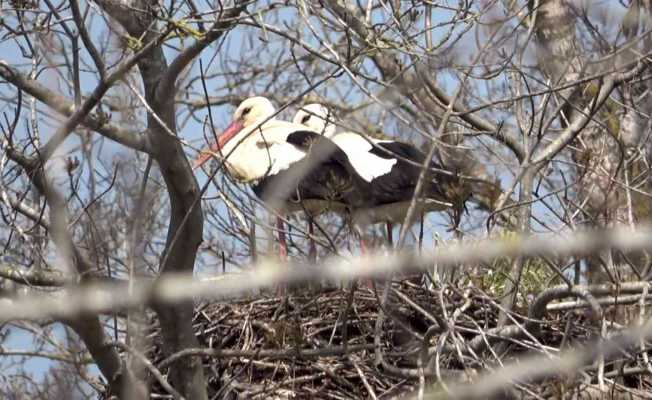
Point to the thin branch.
(226, 20)
(64, 106)
(88, 42)
(171, 289)
(33, 277)
(62, 133)
(152, 369)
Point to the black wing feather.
(399, 184)
(325, 174)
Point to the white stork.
(391, 168)
(290, 167)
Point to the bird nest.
(340, 343)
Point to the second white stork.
(391, 168)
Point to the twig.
(152, 369)
(363, 378)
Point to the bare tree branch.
(66, 107)
(33, 277)
(225, 21)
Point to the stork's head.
(250, 113)
(316, 117)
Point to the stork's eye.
(246, 111)
(305, 119)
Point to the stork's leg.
(358, 230)
(282, 252)
(364, 246)
(390, 227)
(420, 232)
(424, 276)
(364, 249)
(312, 251)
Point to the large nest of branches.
(340, 343)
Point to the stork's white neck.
(261, 150)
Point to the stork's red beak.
(232, 130)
